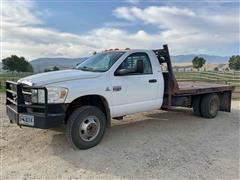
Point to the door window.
(131, 62)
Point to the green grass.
(2, 90)
(9, 77)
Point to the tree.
(55, 68)
(47, 70)
(198, 62)
(234, 62)
(15, 63)
(216, 69)
(94, 53)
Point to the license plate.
(26, 120)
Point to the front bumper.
(41, 121)
(45, 115)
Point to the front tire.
(86, 127)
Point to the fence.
(230, 78)
(11, 77)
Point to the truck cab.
(110, 84)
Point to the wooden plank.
(192, 88)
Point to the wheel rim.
(213, 106)
(89, 128)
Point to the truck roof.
(130, 50)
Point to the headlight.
(55, 95)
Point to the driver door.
(134, 92)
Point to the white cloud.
(184, 27)
(20, 12)
(184, 30)
(173, 18)
(123, 12)
(152, 14)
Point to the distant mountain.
(41, 64)
(65, 63)
(210, 59)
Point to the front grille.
(27, 94)
(20, 95)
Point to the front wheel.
(86, 127)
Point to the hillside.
(41, 64)
(64, 63)
(210, 59)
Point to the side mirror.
(121, 72)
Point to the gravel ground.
(158, 144)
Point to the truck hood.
(57, 76)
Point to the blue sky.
(80, 17)
(77, 28)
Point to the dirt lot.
(159, 144)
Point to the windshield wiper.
(84, 68)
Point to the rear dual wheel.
(207, 105)
(196, 105)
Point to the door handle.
(117, 88)
(152, 81)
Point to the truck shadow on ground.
(149, 142)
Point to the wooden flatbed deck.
(194, 88)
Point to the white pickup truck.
(110, 84)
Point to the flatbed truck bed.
(194, 88)
(191, 93)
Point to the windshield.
(100, 62)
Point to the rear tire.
(210, 105)
(86, 127)
(197, 105)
